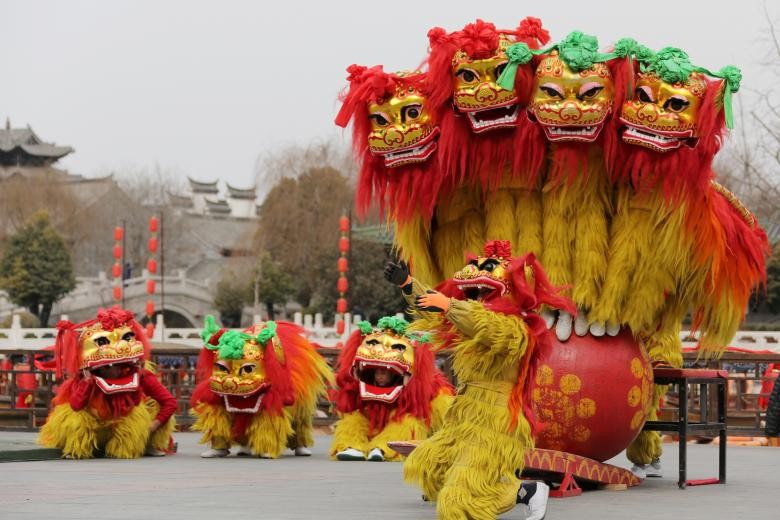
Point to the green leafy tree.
(272, 284)
(369, 294)
(36, 269)
(231, 295)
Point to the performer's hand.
(432, 301)
(154, 426)
(397, 274)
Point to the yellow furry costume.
(470, 465)
(389, 389)
(109, 403)
(258, 389)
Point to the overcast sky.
(203, 88)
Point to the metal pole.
(124, 254)
(162, 270)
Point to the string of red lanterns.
(342, 284)
(151, 267)
(116, 269)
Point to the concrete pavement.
(184, 486)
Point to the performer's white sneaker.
(654, 469)
(639, 470)
(350, 454)
(563, 326)
(376, 455)
(534, 495)
(214, 453)
(244, 451)
(302, 451)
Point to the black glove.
(396, 274)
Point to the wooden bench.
(685, 379)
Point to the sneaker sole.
(348, 458)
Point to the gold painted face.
(383, 364)
(103, 347)
(663, 116)
(243, 376)
(113, 357)
(476, 92)
(571, 106)
(402, 129)
(483, 278)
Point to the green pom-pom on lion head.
(579, 51)
(671, 64)
(231, 345)
(267, 333)
(365, 327)
(210, 328)
(394, 323)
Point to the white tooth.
(549, 317)
(581, 324)
(564, 326)
(613, 329)
(597, 329)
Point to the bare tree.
(295, 160)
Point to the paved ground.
(188, 487)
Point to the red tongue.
(379, 390)
(121, 380)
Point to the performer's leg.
(302, 437)
(407, 429)
(75, 433)
(130, 434)
(267, 434)
(160, 440)
(427, 465)
(215, 423)
(351, 433)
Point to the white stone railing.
(17, 337)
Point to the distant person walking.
(773, 412)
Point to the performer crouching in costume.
(110, 402)
(389, 389)
(257, 389)
(486, 314)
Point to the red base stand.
(702, 482)
(568, 488)
(572, 470)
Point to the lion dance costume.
(257, 389)
(109, 402)
(389, 389)
(485, 314)
(599, 163)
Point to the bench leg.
(722, 436)
(683, 433)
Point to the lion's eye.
(102, 341)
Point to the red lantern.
(154, 224)
(343, 244)
(117, 252)
(151, 285)
(149, 330)
(117, 293)
(343, 224)
(340, 327)
(342, 265)
(153, 244)
(150, 308)
(342, 285)
(341, 305)
(151, 265)
(116, 270)
(118, 233)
